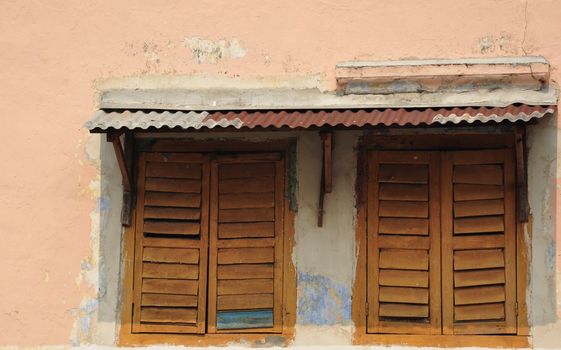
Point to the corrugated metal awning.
(106, 120)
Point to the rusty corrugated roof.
(127, 119)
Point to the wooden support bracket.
(522, 205)
(326, 185)
(125, 165)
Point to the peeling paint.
(321, 301)
(208, 51)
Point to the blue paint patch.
(244, 319)
(322, 301)
(104, 204)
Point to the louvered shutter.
(478, 252)
(403, 286)
(246, 244)
(171, 243)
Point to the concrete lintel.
(459, 75)
(274, 99)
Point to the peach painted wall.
(55, 55)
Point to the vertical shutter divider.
(138, 249)
(447, 265)
(213, 251)
(435, 241)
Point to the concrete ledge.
(275, 99)
(453, 75)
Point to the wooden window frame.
(125, 335)
(441, 140)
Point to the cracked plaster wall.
(56, 55)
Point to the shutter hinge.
(367, 308)
(516, 308)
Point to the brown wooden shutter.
(478, 242)
(403, 287)
(246, 243)
(171, 243)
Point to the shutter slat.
(479, 208)
(479, 277)
(172, 213)
(478, 242)
(404, 295)
(165, 286)
(481, 224)
(246, 200)
(404, 278)
(404, 226)
(478, 259)
(480, 312)
(149, 299)
(255, 286)
(404, 209)
(258, 185)
(403, 192)
(403, 310)
(245, 255)
(463, 192)
(169, 199)
(246, 170)
(478, 174)
(401, 173)
(173, 185)
(403, 242)
(171, 255)
(404, 259)
(245, 302)
(245, 271)
(171, 315)
(172, 227)
(246, 215)
(479, 295)
(173, 170)
(178, 271)
(250, 229)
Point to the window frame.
(425, 139)
(125, 335)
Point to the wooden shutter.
(246, 243)
(171, 243)
(478, 247)
(403, 286)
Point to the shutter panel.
(171, 243)
(478, 228)
(403, 287)
(246, 244)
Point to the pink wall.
(53, 53)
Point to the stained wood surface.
(246, 251)
(403, 228)
(171, 249)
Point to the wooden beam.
(327, 138)
(115, 139)
(522, 205)
(326, 183)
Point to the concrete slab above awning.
(112, 120)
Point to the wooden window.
(209, 244)
(441, 243)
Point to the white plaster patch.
(214, 51)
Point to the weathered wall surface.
(60, 276)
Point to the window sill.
(445, 341)
(250, 340)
